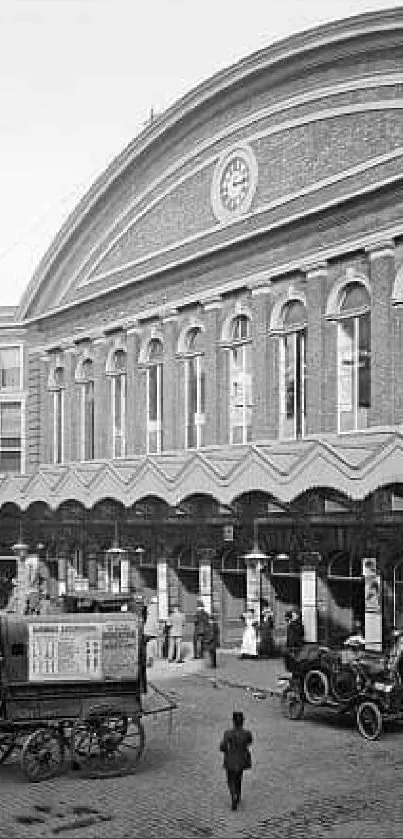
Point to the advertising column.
(373, 604)
(205, 578)
(309, 595)
(162, 589)
(253, 588)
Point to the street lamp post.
(256, 559)
(117, 559)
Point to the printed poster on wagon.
(83, 651)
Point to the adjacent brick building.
(209, 356)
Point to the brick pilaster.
(171, 431)
(382, 274)
(45, 414)
(136, 402)
(72, 407)
(214, 372)
(315, 349)
(262, 371)
(102, 401)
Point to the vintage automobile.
(365, 684)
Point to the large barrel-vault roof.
(322, 114)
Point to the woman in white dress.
(249, 638)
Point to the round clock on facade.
(234, 183)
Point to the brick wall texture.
(327, 135)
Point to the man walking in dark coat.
(235, 745)
(211, 640)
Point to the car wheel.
(316, 687)
(369, 720)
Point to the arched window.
(293, 370)
(240, 381)
(194, 388)
(56, 385)
(85, 376)
(118, 369)
(354, 357)
(154, 396)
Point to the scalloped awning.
(355, 465)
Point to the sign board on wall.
(162, 588)
(60, 651)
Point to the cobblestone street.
(315, 778)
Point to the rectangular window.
(10, 368)
(58, 414)
(154, 408)
(10, 437)
(119, 415)
(88, 426)
(354, 372)
(292, 385)
(240, 394)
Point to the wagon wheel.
(106, 743)
(369, 720)
(42, 754)
(7, 743)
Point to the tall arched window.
(118, 371)
(154, 396)
(57, 388)
(240, 381)
(354, 357)
(86, 379)
(292, 371)
(194, 389)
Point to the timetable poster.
(83, 651)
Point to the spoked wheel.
(135, 739)
(7, 743)
(316, 687)
(369, 720)
(106, 743)
(42, 754)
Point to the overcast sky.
(78, 79)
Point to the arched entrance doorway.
(346, 601)
(233, 597)
(285, 577)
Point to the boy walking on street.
(235, 745)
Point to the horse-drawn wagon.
(72, 685)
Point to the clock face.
(234, 183)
